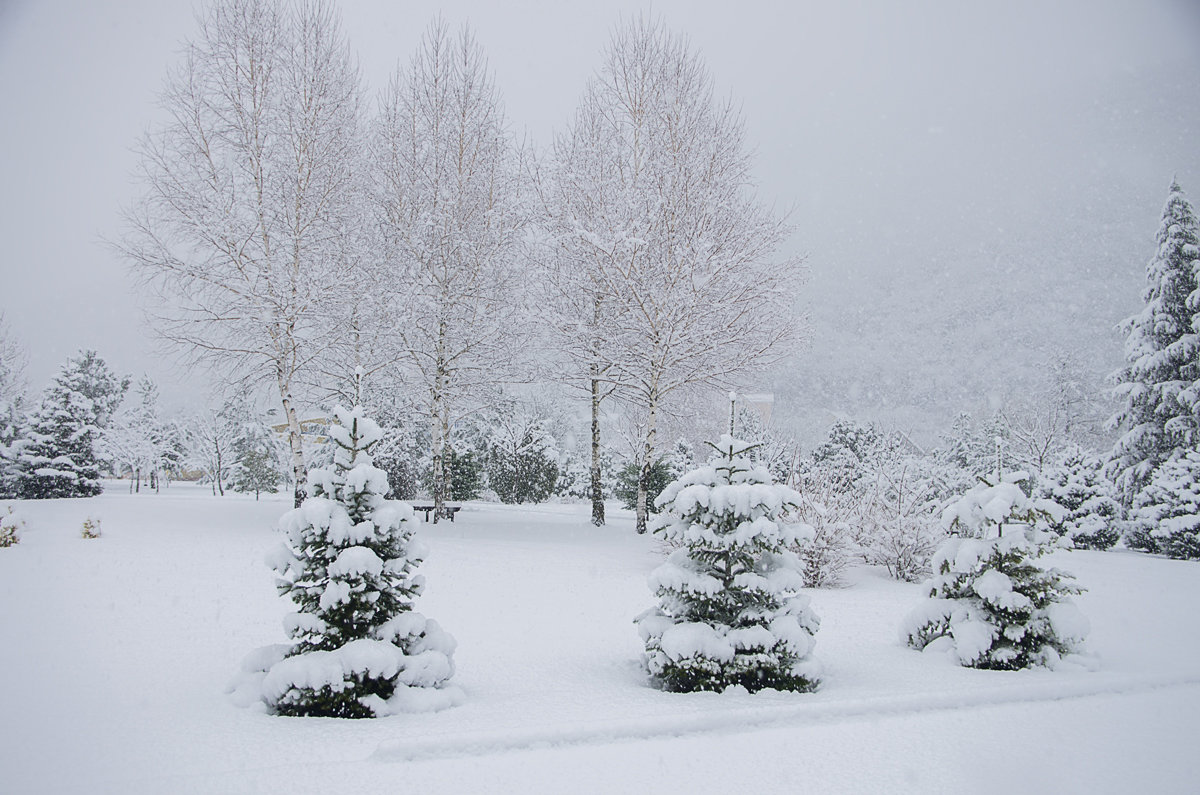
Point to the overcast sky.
(938, 158)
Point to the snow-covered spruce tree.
(1165, 516)
(1077, 483)
(59, 458)
(358, 648)
(729, 611)
(989, 602)
(1154, 421)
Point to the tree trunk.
(440, 416)
(597, 484)
(647, 458)
(218, 486)
(295, 440)
(439, 447)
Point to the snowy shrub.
(832, 510)
(729, 611)
(869, 501)
(91, 527)
(901, 524)
(10, 526)
(1077, 483)
(349, 561)
(1165, 516)
(989, 602)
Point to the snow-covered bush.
(1165, 516)
(90, 528)
(10, 527)
(866, 497)
(901, 527)
(990, 604)
(729, 611)
(1077, 483)
(833, 510)
(349, 563)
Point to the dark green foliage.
(464, 474)
(342, 702)
(656, 480)
(524, 472)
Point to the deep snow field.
(115, 655)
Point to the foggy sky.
(956, 172)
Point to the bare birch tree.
(590, 207)
(449, 190)
(678, 254)
(246, 202)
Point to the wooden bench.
(449, 510)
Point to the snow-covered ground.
(115, 654)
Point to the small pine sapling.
(10, 527)
(989, 602)
(91, 527)
(349, 563)
(729, 609)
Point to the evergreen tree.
(403, 450)
(729, 611)
(349, 564)
(464, 474)
(13, 360)
(256, 460)
(524, 468)
(1165, 516)
(989, 601)
(575, 475)
(1077, 483)
(59, 459)
(657, 478)
(1156, 419)
(13, 438)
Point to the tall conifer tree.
(1156, 419)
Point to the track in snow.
(746, 720)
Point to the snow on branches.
(349, 564)
(990, 605)
(729, 609)
(1165, 516)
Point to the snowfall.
(117, 653)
